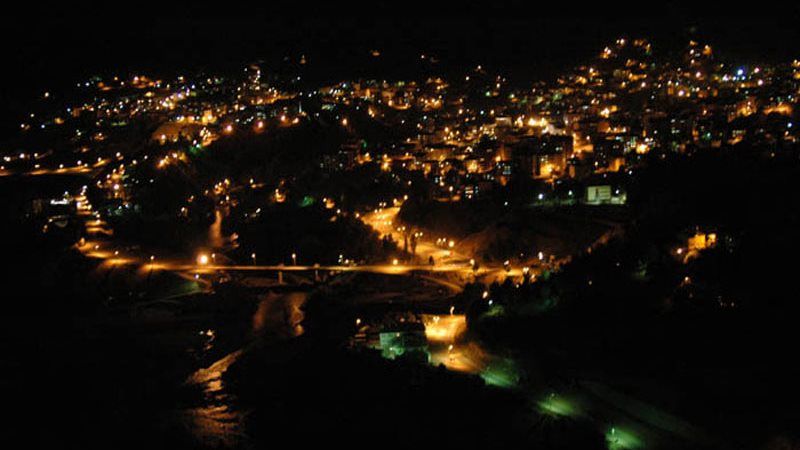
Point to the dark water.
(217, 420)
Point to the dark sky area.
(47, 48)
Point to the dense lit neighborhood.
(579, 139)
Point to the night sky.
(50, 48)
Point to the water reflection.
(280, 314)
(217, 422)
(215, 237)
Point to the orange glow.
(444, 329)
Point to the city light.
(530, 229)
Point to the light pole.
(253, 257)
(294, 259)
(149, 273)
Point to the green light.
(618, 439)
(195, 149)
(307, 201)
(495, 311)
(558, 405)
(501, 373)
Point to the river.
(216, 420)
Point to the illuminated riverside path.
(448, 259)
(446, 256)
(627, 422)
(95, 250)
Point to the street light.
(294, 259)
(253, 256)
(149, 273)
(202, 259)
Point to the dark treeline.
(715, 328)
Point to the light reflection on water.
(216, 422)
(215, 236)
(280, 314)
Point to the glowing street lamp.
(253, 257)
(202, 259)
(294, 259)
(149, 273)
